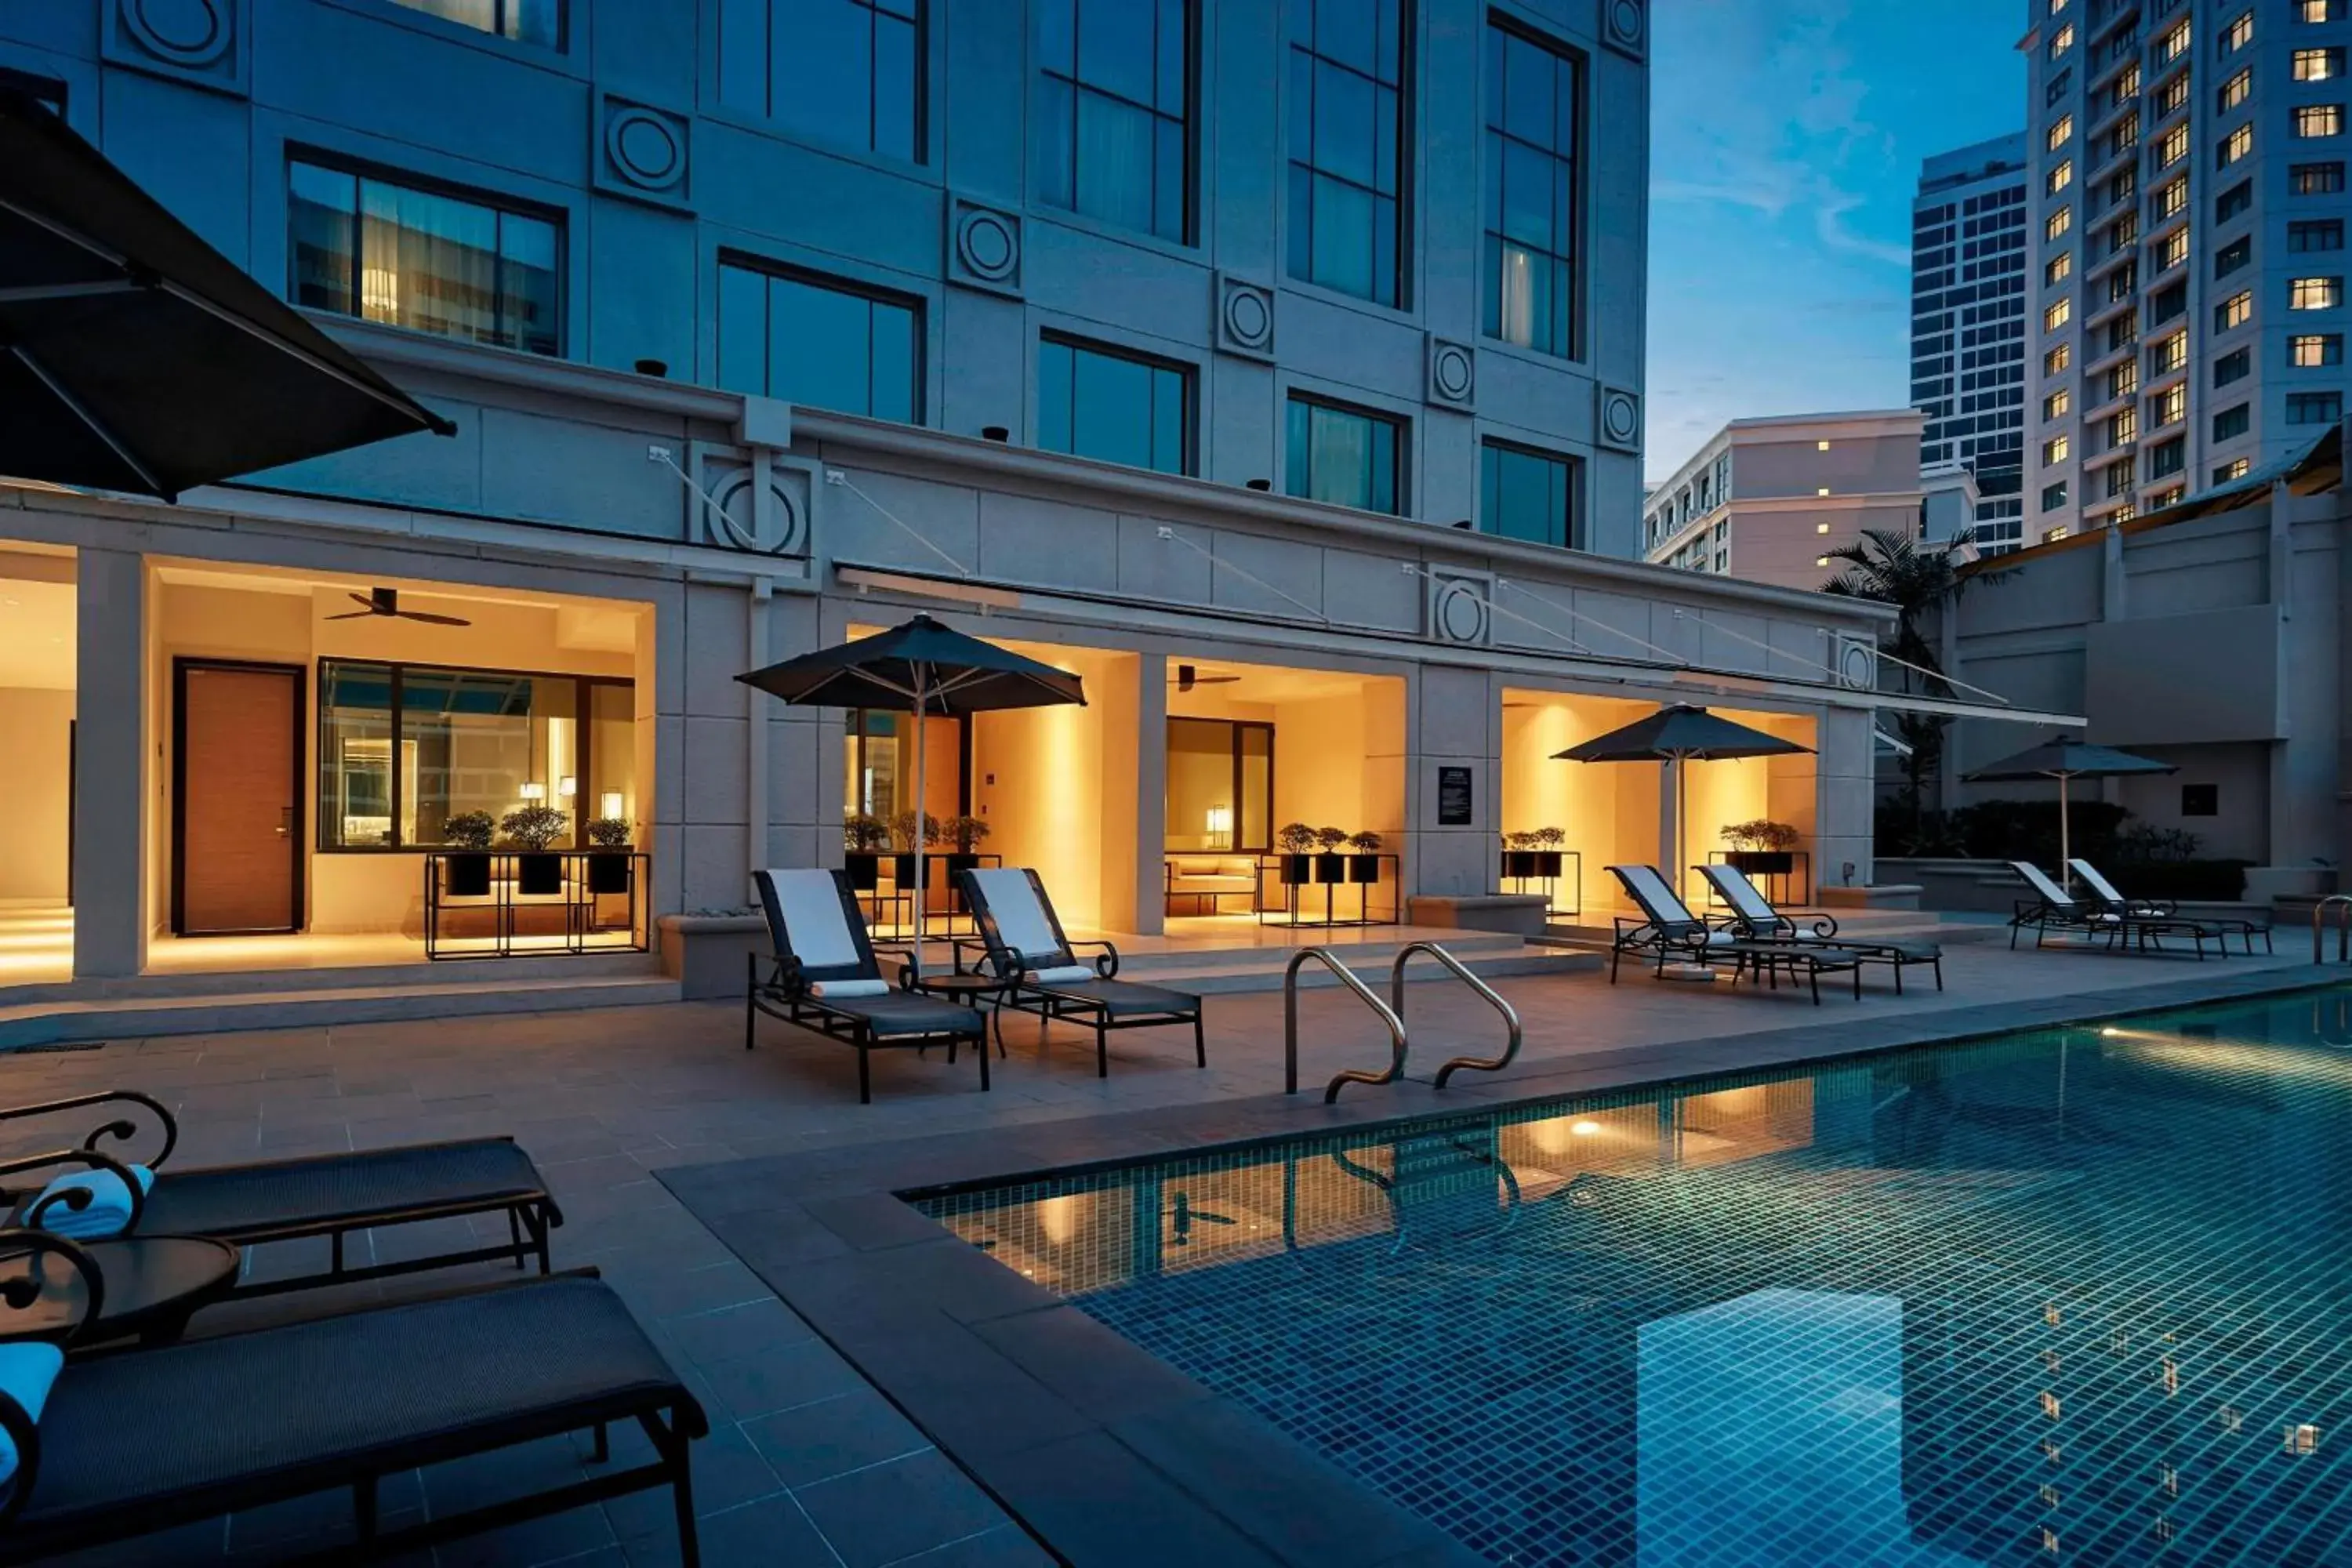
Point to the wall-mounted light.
(567, 786)
(534, 790)
(610, 804)
(1221, 828)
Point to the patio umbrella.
(2061, 759)
(133, 356)
(1672, 736)
(920, 668)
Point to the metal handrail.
(1348, 978)
(2343, 929)
(1454, 966)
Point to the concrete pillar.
(1149, 904)
(756, 705)
(113, 826)
(1847, 799)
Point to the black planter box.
(1331, 868)
(1519, 864)
(1762, 862)
(865, 867)
(1547, 863)
(958, 860)
(1364, 868)
(1297, 870)
(468, 875)
(904, 870)
(539, 873)
(609, 872)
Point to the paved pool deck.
(875, 1401)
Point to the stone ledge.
(1884, 896)
(706, 953)
(1514, 914)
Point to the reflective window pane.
(1109, 128)
(849, 72)
(1529, 192)
(1095, 402)
(823, 346)
(1343, 456)
(1115, 160)
(1347, 132)
(526, 21)
(322, 242)
(1525, 495)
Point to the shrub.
(1330, 838)
(906, 825)
(534, 828)
(1762, 833)
(470, 830)
(964, 832)
(1364, 843)
(610, 832)
(1295, 838)
(1549, 838)
(864, 831)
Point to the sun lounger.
(2111, 902)
(1754, 917)
(1666, 931)
(113, 1447)
(274, 1200)
(2052, 907)
(824, 976)
(1022, 943)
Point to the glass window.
(2313, 120)
(2056, 361)
(1527, 495)
(2232, 422)
(2238, 253)
(2319, 10)
(1116, 407)
(403, 748)
(2316, 179)
(2055, 450)
(2169, 200)
(2058, 224)
(2122, 427)
(2166, 457)
(2314, 293)
(2239, 33)
(2056, 405)
(2233, 311)
(2172, 250)
(2057, 315)
(2319, 233)
(844, 72)
(1344, 456)
(1348, 143)
(820, 343)
(2314, 407)
(1531, 201)
(2235, 366)
(2235, 90)
(2172, 95)
(2117, 479)
(1111, 127)
(2316, 349)
(2053, 497)
(2059, 130)
(2059, 177)
(2318, 64)
(1220, 787)
(2062, 40)
(2167, 354)
(2238, 198)
(2240, 142)
(2235, 468)
(527, 21)
(2169, 406)
(361, 245)
(2173, 45)
(2173, 148)
(2058, 269)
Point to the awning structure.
(135, 357)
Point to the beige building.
(1766, 499)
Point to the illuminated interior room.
(317, 738)
(1609, 812)
(37, 727)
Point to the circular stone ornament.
(645, 148)
(185, 32)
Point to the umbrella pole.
(921, 822)
(2065, 850)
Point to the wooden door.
(236, 804)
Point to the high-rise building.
(1967, 323)
(2188, 217)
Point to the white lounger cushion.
(1021, 921)
(2048, 891)
(810, 902)
(1065, 974)
(844, 990)
(2097, 883)
(1648, 886)
(1741, 895)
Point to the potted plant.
(1547, 842)
(963, 834)
(1330, 866)
(1364, 865)
(1296, 839)
(608, 868)
(1762, 848)
(905, 827)
(530, 829)
(468, 835)
(1519, 856)
(864, 833)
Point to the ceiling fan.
(386, 602)
(1188, 675)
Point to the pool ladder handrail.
(1348, 978)
(2343, 929)
(1487, 992)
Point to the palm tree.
(1916, 579)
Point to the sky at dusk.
(1786, 137)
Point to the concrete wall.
(35, 726)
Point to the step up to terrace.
(202, 1004)
(1369, 951)
(1592, 933)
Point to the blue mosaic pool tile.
(2079, 1297)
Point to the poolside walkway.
(807, 1464)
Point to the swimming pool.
(2077, 1295)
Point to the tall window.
(2057, 315)
(1533, 96)
(2058, 178)
(360, 245)
(2238, 253)
(2169, 406)
(2060, 130)
(1525, 495)
(2058, 223)
(403, 748)
(2232, 422)
(2169, 200)
(2240, 142)
(527, 21)
(2173, 148)
(1345, 456)
(1101, 403)
(2172, 250)
(2236, 91)
(847, 71)
(2233, 311)
(2238, 198)
(2239, 33)
(821, 342)
(1112, 129)
(1347, 146)
(2056, 361)
(2167, 457)
(1220, 787)
(2235, 366)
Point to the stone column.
(1846, 798)
(1148, 747)
(113, 826)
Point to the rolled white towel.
(1065, 974)
(107, 1211)
(846, 990)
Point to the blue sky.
(1786, 137)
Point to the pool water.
(2080, 1295)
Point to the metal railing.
(2343, 929)
(1348, 978)
(1487, 992)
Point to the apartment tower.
(1968, 326)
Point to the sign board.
(1454, 798)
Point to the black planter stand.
(608, 871)
(466, 874)
(538, 874)
(1557, 874)
(865, 867)
(596, 894)
(1331, 872)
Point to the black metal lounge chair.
(289, 1200)
(1754, 917)
(2053, 908)
(124, 1445)
(2111, 901)
(1022, 943)
(824, 976)
(1666, 931)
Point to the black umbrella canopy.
(135, 357)
(2061, 758)
(954, 672)
(1680, 731)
